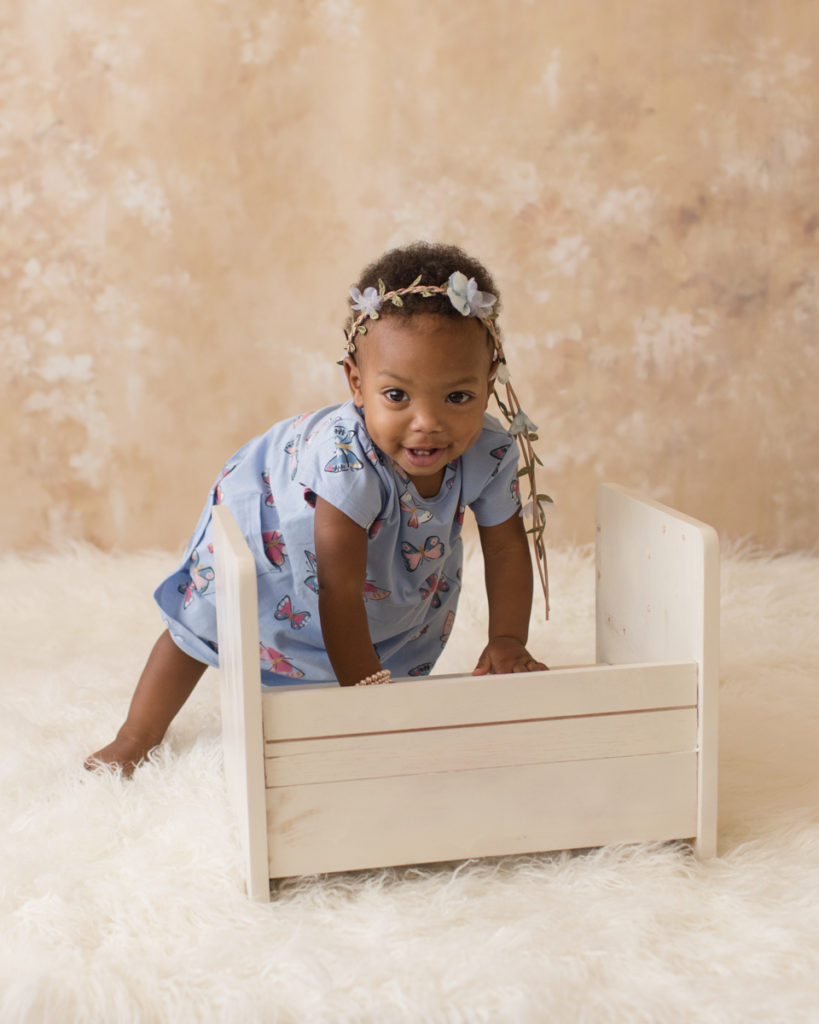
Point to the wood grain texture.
(290, 713)
(658, 598)
(505, 744)
(242, 739)
(413, 819)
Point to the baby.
(354, 512)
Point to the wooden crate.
(450, 767)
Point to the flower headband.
(470, 301)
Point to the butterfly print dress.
(414, 559)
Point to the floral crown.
(468, 300)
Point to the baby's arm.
(166, 683)
(341, 556)
(508, 574)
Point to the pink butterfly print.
(300, 419)
(399, 472)
(448, 621)
(269, 500)
(375, 526)
(292, 449)
(453, 468)
(374, 593)
(284, 610)
(419, 634)
(432, 549)
(274, 661)
(459, 515)
(417, 515)
(311, 580)
(514, 489)
(433, 587)
(310, 497)
(274, 547)
(217, 500)
(421, 670)
(201, 578)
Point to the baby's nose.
(426, 417)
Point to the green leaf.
(397, 300)
(416, 281)
(381, 287)
(545, 497)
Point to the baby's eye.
(458, 397)
(395, 395)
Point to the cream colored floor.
(122, 901)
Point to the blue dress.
(414, 554)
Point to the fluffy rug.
(122, 901)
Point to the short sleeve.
(499, 497)
(341, 466)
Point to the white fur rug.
(122, 901)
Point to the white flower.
(502, 373)
(521, 422)
(466, 298)
(367, 302)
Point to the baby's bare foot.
(126, 753)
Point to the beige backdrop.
(188, 187)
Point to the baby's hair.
(433, 263)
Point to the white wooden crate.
(449, 767)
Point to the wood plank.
(240, 686)
(379, 755)
(290, 713)
(658, 600)
(414, 819)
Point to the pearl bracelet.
(377, 677)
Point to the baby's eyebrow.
(461, 382)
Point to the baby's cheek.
(476, 433)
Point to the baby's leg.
(166, 683)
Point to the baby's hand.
(506, 654)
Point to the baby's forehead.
(423, 334)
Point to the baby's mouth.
(423, 456)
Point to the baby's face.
(423, 383)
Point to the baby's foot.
(126, 753)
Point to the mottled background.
(188, 187)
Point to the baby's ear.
(353, 373)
